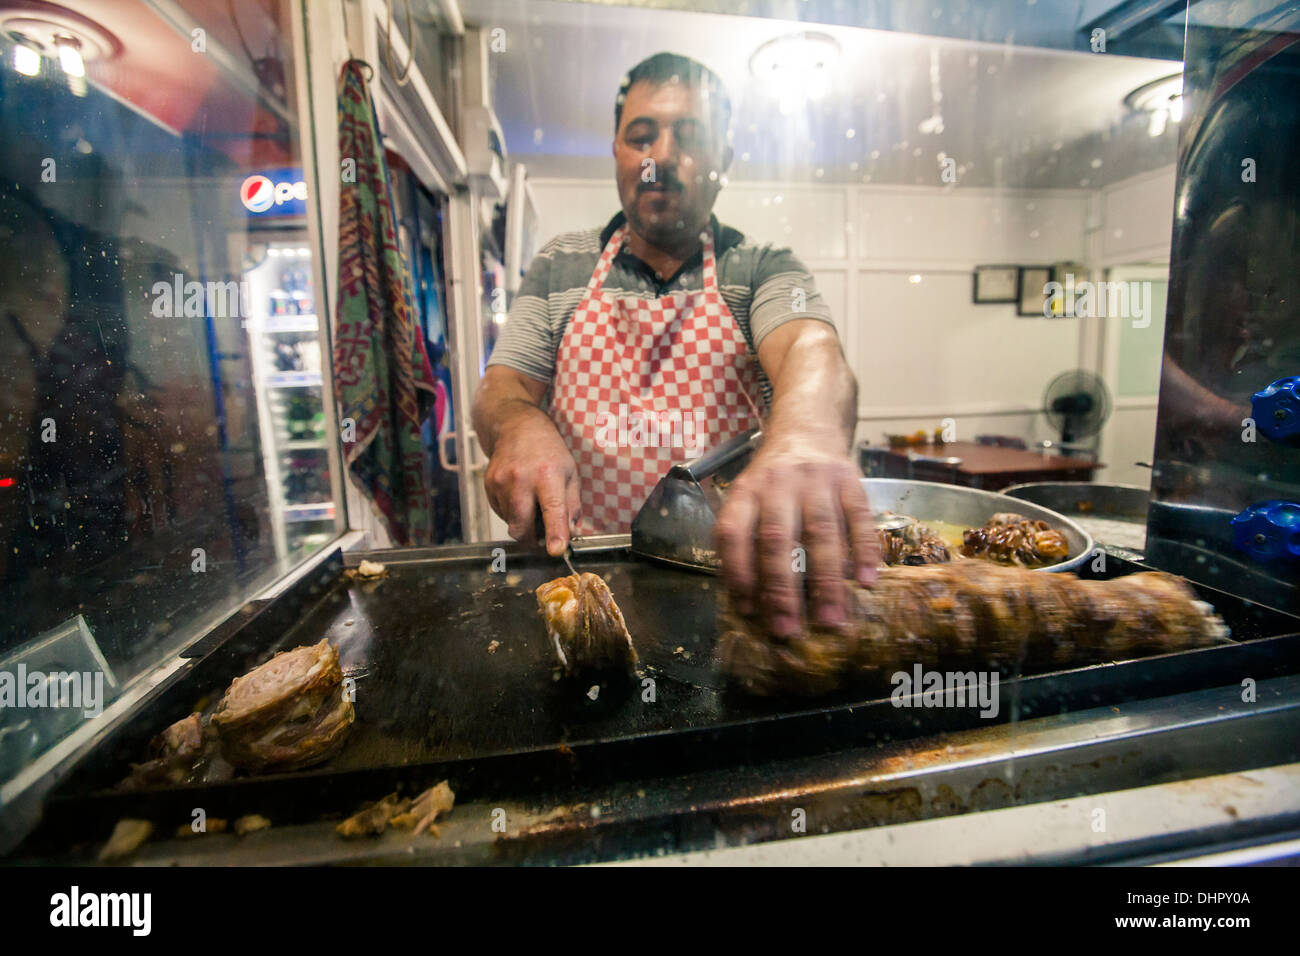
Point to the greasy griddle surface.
(433, 702)
(428, 687)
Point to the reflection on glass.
(1226, 480)
(152, 475)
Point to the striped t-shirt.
(764, 286)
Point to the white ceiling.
(1012, 116)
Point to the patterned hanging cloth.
(382, 375)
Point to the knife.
(539, 532)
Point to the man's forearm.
(800, 489)
(501, 402)
(815, 395)
(1191, 403)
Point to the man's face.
(670, 159)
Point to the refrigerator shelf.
(293, 380)
(304, 444)
(313, 511)
(272, 324)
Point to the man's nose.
(665, 151)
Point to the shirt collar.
(724, 237)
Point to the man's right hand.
(530, 464)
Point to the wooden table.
(984, 466)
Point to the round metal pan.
(1119, 502)
(934, 501)
(1115, 515)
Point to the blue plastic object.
(1268, 531)
(1276, 410)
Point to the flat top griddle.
(433, 701)
(429, 686)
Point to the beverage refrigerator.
(285, 349)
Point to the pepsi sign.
(278, 192)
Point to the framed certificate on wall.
(1032, 284)
(995, 284)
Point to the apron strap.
(606, 261)
(710, 263)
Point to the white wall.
(1138, 218)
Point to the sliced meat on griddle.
(586, 628)
(289, 713)
(182, 753)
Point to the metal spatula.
(675, 525)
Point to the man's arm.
(812, 384)
(529, 462)
(801, 486)
(1193, 405)
(503, 394)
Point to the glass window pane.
(164, 454)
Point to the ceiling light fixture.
(26, 60)
(796, 68)
(1161, 100)
(50, 30)
(70, 57)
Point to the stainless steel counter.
(1159, 778)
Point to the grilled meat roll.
(585, 626)
(1014, 539)
(972, 614)
(288, 713)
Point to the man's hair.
(672, 67)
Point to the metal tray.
(934, 501)
(1086, 498)
(433, 701)
(1115, 515)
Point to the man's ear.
(728, 154)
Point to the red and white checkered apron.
(678, 365)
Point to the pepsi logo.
(258, 193)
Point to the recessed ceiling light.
(70, 58)
(26, 60)
(796, 68)
(1161, 100)
(53, 31)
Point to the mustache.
(666, 180)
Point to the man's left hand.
(788, 496)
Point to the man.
(659, 317)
